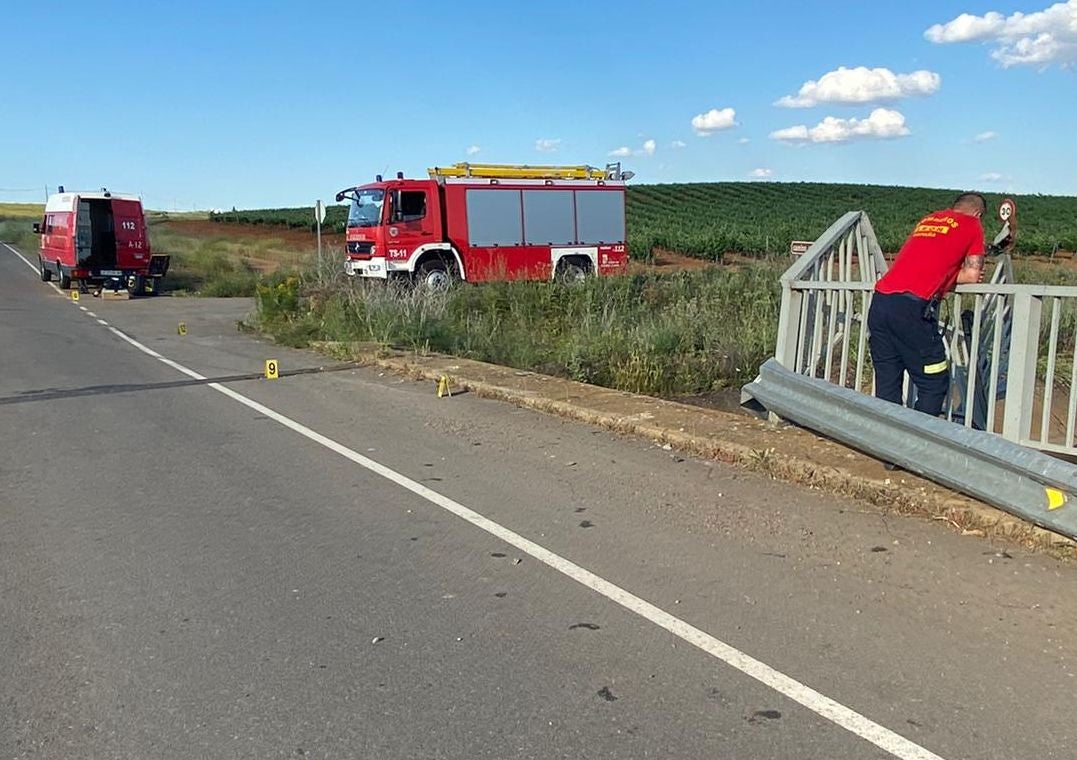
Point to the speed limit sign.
(1007, 210)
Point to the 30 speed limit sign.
(1006, 210)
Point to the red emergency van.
(98, 238)
(481, 222)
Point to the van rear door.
(132, 247)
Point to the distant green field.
(707, 220)
(299, 218)
(21, 210)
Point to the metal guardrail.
(1011, 347)
(1028, 483)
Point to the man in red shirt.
(945, 249)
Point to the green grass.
(664, 335)
(30, 211)
(19, 233)
(213, 267)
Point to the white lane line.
(32, 266)
(88, 312)
(83, 308)
(102, 322)
(820, 704)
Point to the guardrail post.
(1021, 372)
(788, 326)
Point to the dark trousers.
(903, 340)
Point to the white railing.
(1011, 347)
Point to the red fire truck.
(482, 222)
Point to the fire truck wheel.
(136, 285)
(434, 274)
(46, 273)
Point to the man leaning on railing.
(945, 249)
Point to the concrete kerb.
(782, 452)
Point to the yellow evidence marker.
(181, 328)
(272, 370)
(1055, 499)
(443, 387)
(74, 295)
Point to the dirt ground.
(206, 228)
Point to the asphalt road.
(190, 574)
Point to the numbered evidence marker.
(272, 370)
(74, 295)
(181, 328)
(443, 387)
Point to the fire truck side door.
(410, 216)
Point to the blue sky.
(214, 105)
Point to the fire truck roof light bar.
(524, 171)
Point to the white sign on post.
(319, 217)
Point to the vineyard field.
(707, 220)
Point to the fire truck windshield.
(366, 208)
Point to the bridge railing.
(1011, 346)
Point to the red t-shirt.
(928, 263)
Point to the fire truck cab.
(482, 222)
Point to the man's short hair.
(971, 202)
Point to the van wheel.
(434, 274)
(46, 272)
(136, 286)
(65, 278)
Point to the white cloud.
(473, 149)
(991, 177)
(862, 85)
(547, 145)
(714, 120)
(966, 28)
(1030, 39)
(678, 144)
(743, 141)
(985, 136)
(798, 133)
(882, 123)
(647, 149)
(761, 173)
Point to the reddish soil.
(668, 261)
(206, 228)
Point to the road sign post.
(319, 217)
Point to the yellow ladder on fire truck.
(517, 171)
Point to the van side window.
(412, 205)
(48, 224)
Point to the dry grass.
(21, 210)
